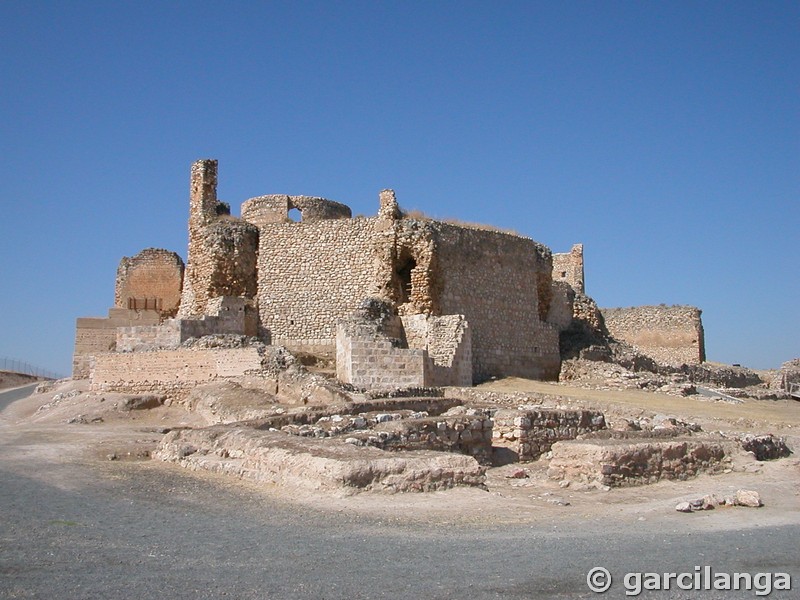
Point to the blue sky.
(663, 136)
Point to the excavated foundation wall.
(531, 433)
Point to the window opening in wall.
(563, 273)
(295, 215)
(404, 275)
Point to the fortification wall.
(311, 275)
(171, 371)
(95, 335)
(497, 281)
(669, 334)
(568, 267)
(150, 280)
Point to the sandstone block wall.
(669, 334)
(169, 370)
(95, 335)
(150, 280)
(568, 267)
(531, 433)
(372, 362)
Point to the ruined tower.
(223, 250)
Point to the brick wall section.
(669, 334)
(568, 267)
(95, 335)
(531, 433)
(152, 276)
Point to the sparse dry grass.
(419, 215)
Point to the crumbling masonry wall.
(227, 315)
(531, 433)
(496, 280)
(568, 267)
(447, 341)
(150, 280)
(222, 249)
(170, 372)
(668, 334)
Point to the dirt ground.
(71, 424)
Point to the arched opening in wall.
(294, 215)
(403, 272)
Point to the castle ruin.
(456, 304)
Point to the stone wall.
(275, 208)
(531, 433)
(170, 372)
(568, 267)
(227, 315)
(312, 275)
(150, 280)
(448, 345)
(95, 335)
(222, 249)
(501, 284)
(624, 462)
(671, 335)
(368, 360)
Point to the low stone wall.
(172, 372)
(96, 335)
(621, 462)
(470, 435)
(370, 361)
(531, 433)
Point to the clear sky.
(663, 136)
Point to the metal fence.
(14, 365)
